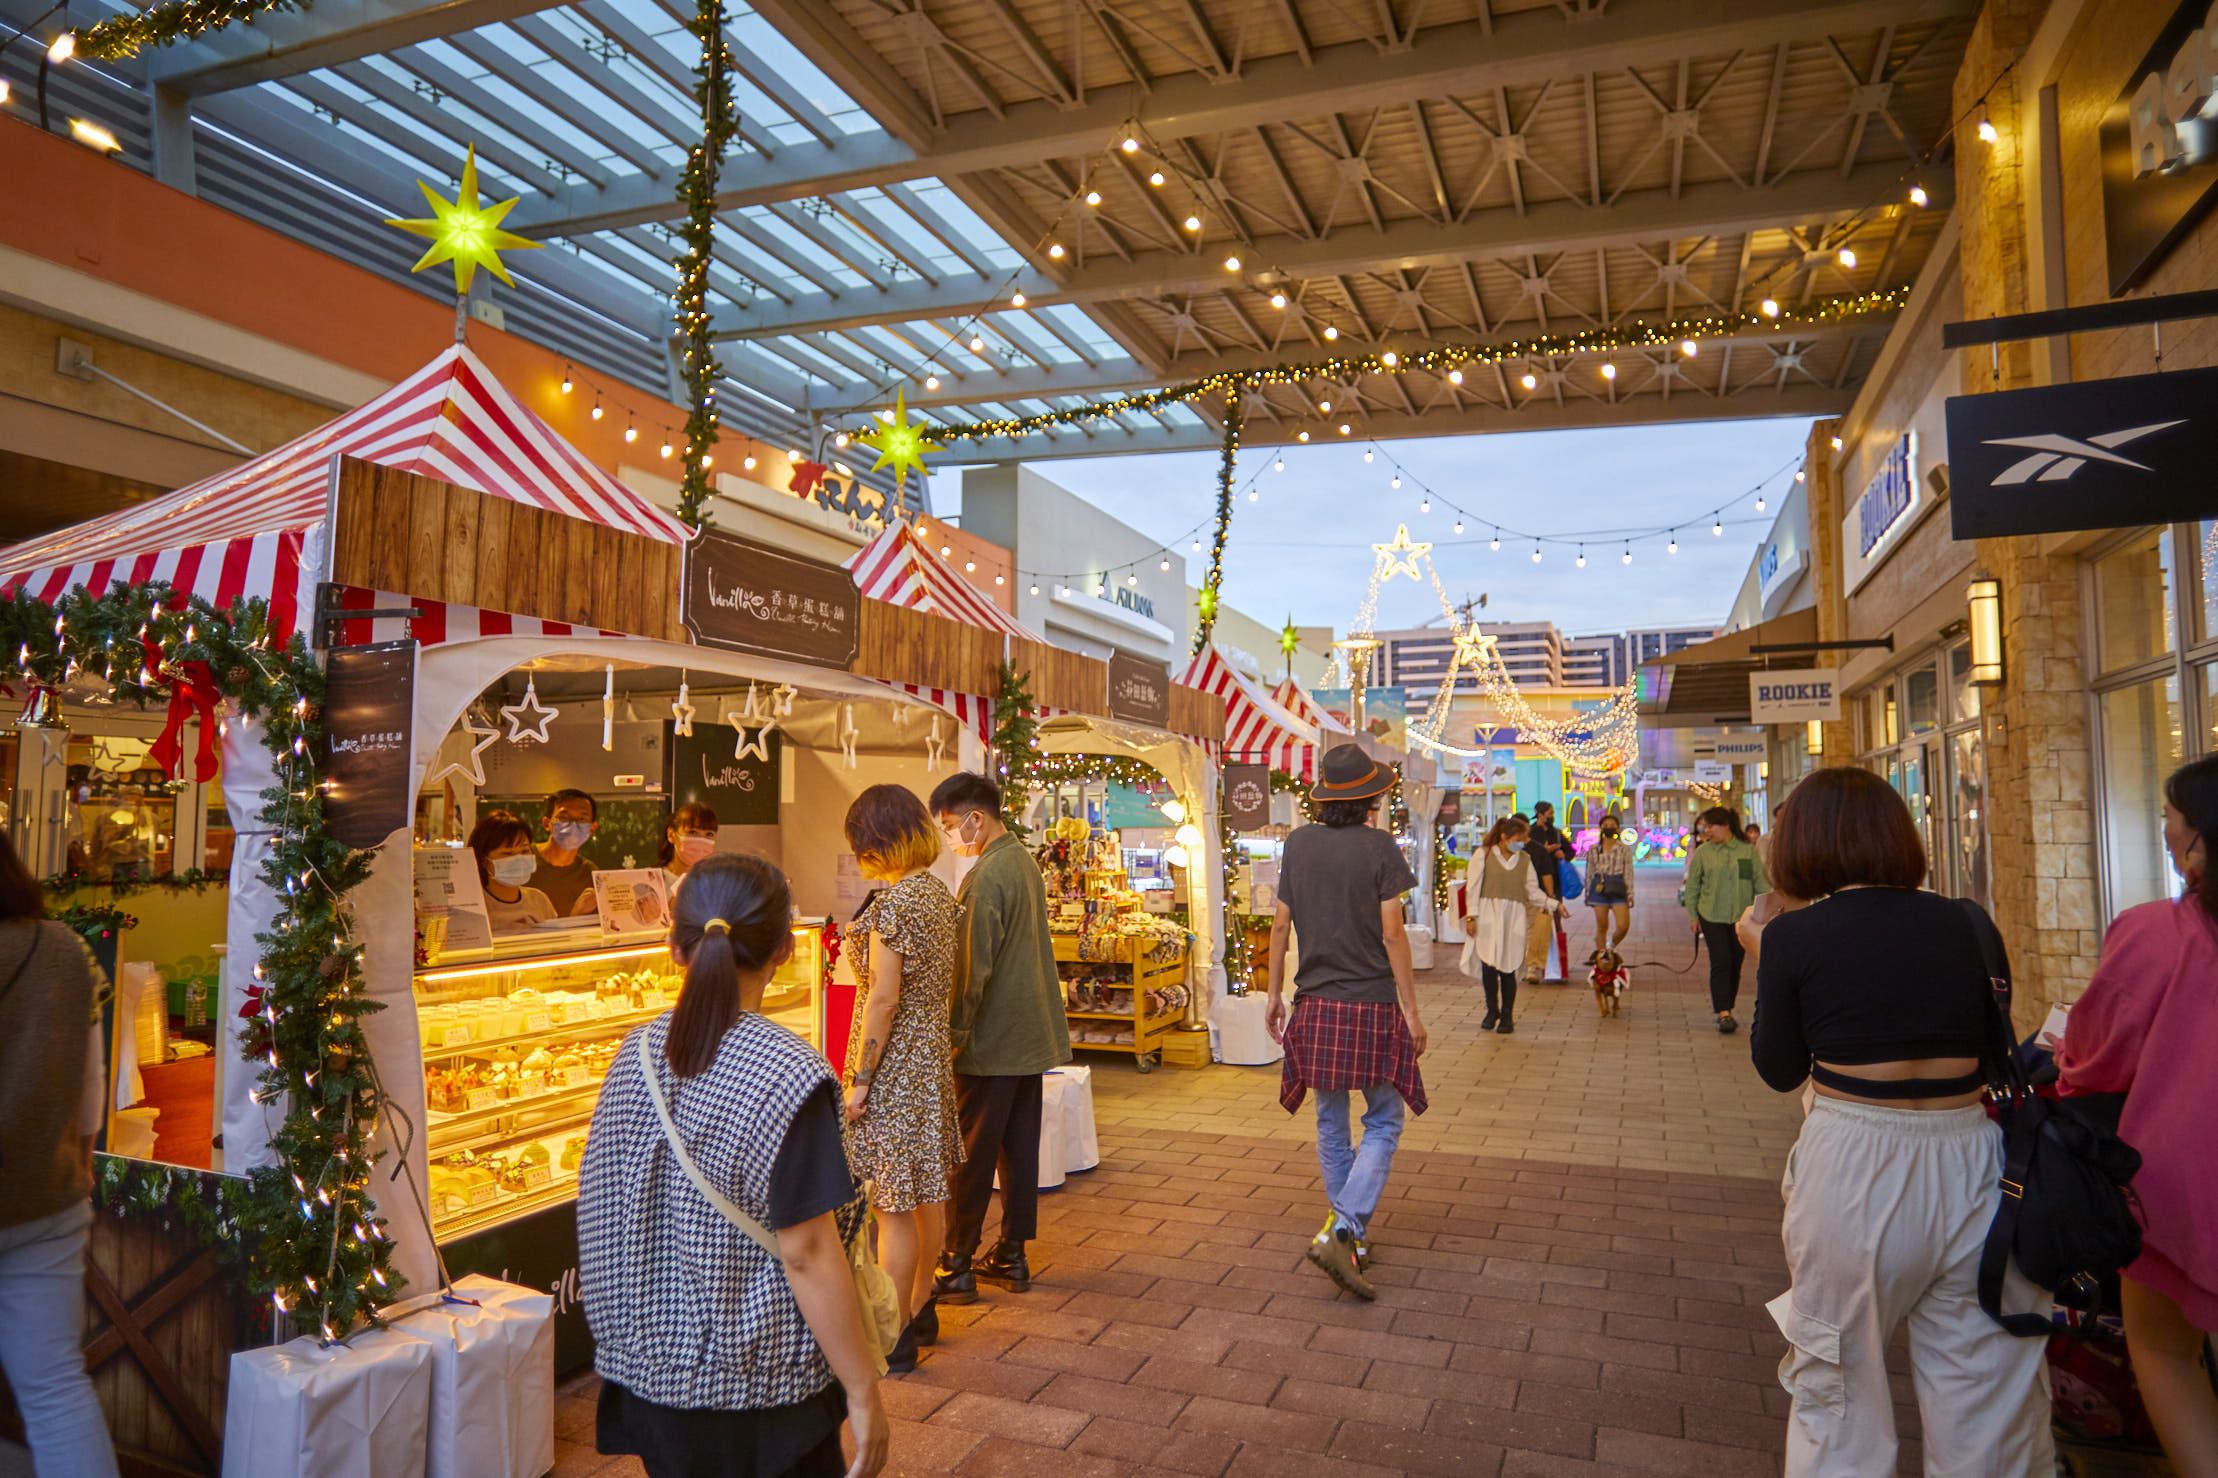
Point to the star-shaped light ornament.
(1401, 556)
(465, 233)
(1472, 644)
(539, 714)
(681, 713)
(751, 718)
(608, 708)
(1289, 638)
(781, 700)
(848, 734)
(899, 442)
(471, 768)
(935, 747)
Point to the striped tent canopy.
(897, 568)
(256, 530)
(1258, 728)
(1296, 699)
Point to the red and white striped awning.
(1296, 700)
(255, 530)
(897, 568)
(1258, 729)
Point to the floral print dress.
(908, 1140)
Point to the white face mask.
(692, 849)
(965, 840)
(571, 835)
(514, 871)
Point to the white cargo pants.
(1887, 1210)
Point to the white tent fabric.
(251, 909)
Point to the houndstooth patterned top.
(686, 1310)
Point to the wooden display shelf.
(1140, 975)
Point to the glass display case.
(516, 1040)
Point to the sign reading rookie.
(1794, 696)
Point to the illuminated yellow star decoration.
(463, 233)
(1290, 639)
(899, 442)
(1472, 645)
(1401, 556)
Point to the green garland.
(1049, 769)
(192, 880)
(93, 922)
(712, 89)
(307, 1231)
(1014, 732)
(1205, 603)
(172, 20)
(214, 1211)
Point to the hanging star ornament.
(762, 725)
(471, 769)
(1472, 645)
(781, 700)
(681, 713)
(463, 232)
(1290, 638)
(848, 734)
(900, 442)
(935, 748)
(540, 715)
(1401, 556)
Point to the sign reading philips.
(1881, 511)
(1794, 696)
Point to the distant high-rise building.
(1535, 653)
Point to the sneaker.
(1333, 1251)
(1362, 1255)
(1726, 1025)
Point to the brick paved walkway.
(1572, 1261)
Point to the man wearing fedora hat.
(1355, 1023)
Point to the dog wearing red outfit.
(1610, 979)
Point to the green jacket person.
(1724, 875)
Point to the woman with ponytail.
(718, 1355)
(2147, 1027)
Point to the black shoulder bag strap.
(2023, 1112)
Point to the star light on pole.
(1401, 556)
(463, 232)
(899, 442)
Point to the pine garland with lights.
(191, 880)
(310, 1239)
(712, 89)
(1015, 757)
(173, 20)
(214, 1211)
(1052, 769)
(1205, 603)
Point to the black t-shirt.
(1544, 844)
(563, 885)
(1333, 879)
(1870, 975)
(811, 1175)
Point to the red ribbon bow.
(193, 694)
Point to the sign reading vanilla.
(1139, 690)
(750, 597)
(1794, 696)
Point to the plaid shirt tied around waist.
(1340, 1046)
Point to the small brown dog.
(1610, 979)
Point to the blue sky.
(1305, 544)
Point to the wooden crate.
(1186, 1049)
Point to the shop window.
(2141, 745)
(1921, 701)
(2133, 601)
(121, 821)
(1967, 814)
(2206, 542)
(1910, 772)
(2206, 678)
(1963, 693)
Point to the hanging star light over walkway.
(1401, 556)
(462, 232)
(899, 442)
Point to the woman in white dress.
(1501, 893)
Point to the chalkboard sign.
(742, 792)
(1139, 690)
(1248, 797)
(369, 710)
(750, 597)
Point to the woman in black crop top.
(1879, 994)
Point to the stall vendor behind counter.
(562, 874)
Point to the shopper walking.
(53, 1080)
(1008, 1028)
(1355, 1024)
(719, 1356)
(1880, 995)
(1502, 897)
(1724, 875)
(1609, 886)
(900, 1080)
(1550, 849)
(2147, 1027)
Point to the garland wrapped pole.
(1205, 603)
(310, 1240)
(123, 36)
(712, 88)
(1015, 757)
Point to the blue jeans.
(1355, 1175)
(42, 1321)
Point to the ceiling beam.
(1633, 410)
(1123, 374)
(282, 44)
(1524, 49)
(1721, 208)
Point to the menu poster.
(750, 597)
(369, 711)
(742, 792)
(450, 902)
(1139, 690)
(1248, 797)
(632, 899)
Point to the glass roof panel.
(759, 40)
(975, 233)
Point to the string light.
(1455, 377)
(1673, 546)
(1459, 525)
(1390, 359)
(1278, 300)
(1836, 443)
(1016, 300)
(1536, 554)
(931, 382)
(631, 431)
(1156, 179)
(1689, 348)
(1848, 257)
(1609, 370)
(1918, 197)
(597, 412)
(1770, 307)
(567, 386)
(1193, 223)
(1628, 555)
(1529, 380)
(1760, 502)
(667, 449)
(1717, 527)
(1367, 454)
(1130, 145)
(1986, 129)
(1331, 333)
(1278, 464)
(1055, 250)
(62, 48)
(1495, 543)
(1093, 197)
(1232, 264)
(1581, 560)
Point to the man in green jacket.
(1724, 875)
(1007, 1028)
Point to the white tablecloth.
(1068, 1142)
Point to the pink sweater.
(2147, 1027)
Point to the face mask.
(571, 835)
(692, 849)
(964, 840)
(1609, 833)
(514, 871)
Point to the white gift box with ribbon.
(492, 1380)
(355, 1410)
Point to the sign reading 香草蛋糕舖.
(749, 597)
(370, 724)
(1794, 697)
(1139, 690)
